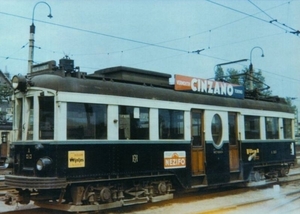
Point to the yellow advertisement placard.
(76, 159)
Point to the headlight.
(43, 163)
(19, 82)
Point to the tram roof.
(128, 81)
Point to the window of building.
(46, 117)
(252, 127)
(216, 130)
(86, 121)
(171, 124)
(133, 123)
(272, 129)
(287, 128)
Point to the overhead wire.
(10, 56)
(261, 10)
(99, 33)
(273, 21)
(252, 16)
(146, 44)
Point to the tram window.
(287, 128)
(86, 121)
(196, 129)
(252, 127)
(133, 123)
(46, 117)
(171, 124)
(216, 129)
(272, 129)
(30, 119)
(232, 126)
(19, 116)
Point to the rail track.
(225, 200)
(276, 203)
(260, 197)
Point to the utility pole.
(31, 36)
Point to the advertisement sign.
(198, 85)
(76, 159)
(174, 159)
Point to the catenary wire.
(252, 16)
(136, 41)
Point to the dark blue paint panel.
(103, 160)
(217, 164)
(268, 152)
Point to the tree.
(243, 78)
(234, 77)
(5, 89)
(289, 102)
(5, 92)
(219, 73)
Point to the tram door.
(197, 143)
(216, 147)
(233, 142)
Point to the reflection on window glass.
(86, 121)
(30, 119)
(272, 129)
(196, 129)
(287, 128)
(252, 127)
(19, 116)
(232, 126)
(216, 129)
(133, 123)
(171, 124)
(46, 117)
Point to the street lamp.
(251, 65)
(31, 36)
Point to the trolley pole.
(31, 36)
(251, 67)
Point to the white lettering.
(193, 82)
(181, 82)
(210, 84)
(204, 86)
(217, 88)
(229, 90)
(238, 91)
(175, 162)
(223, 88)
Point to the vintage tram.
(124, 136)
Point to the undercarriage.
(78, 197)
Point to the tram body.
(124, 136)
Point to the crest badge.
(135, 158)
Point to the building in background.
(6, 116)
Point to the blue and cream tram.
(124, 136)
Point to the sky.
(158, 35)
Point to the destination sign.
(186, 83)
